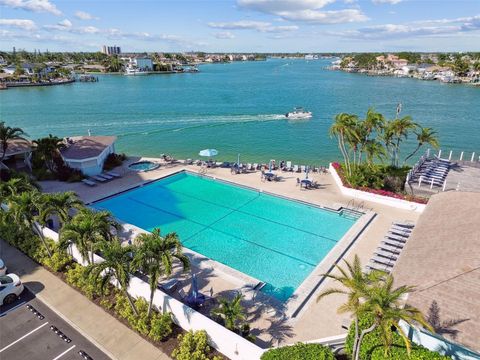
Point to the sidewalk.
(103, 330)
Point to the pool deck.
(272, 325)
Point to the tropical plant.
(385, 304)
(47, 149)
(18, 183)
(344, 130)
(60, 204)
(113, 64)
(299, 351)
(86, 230)
(424, 136)
(396, 131)
(154, 256)
(193, 346)
(7, 134)
(231, 312)
(355, 286)
(25, 209)
(116, 266)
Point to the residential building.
(142, 62)
(88, 153)
(111, 50)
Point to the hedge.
(299, 351)
(372, 346)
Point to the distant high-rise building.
(111, 50)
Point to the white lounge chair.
(295, 168)
(114, 174)
(288, 167)
(99, 178)
(89, 182)
(392, 244)
(106, 176)
(386, 254)
(394, 238)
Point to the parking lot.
(30, 330)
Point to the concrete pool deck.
(272, 327)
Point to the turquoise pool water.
(143, 166)
(275, 240)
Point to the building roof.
(442, 259)
(18, 146)
(86, 147)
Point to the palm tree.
(60, 204)
(424, 136)
(373, 122)
(398, 130)
(16, 185)
(344, 130)
(117, 265)
(48, 149)
(86, 230)
(355, 286)
(8, 133)
(154, 256)
(374, 149)
(385, 304)
(25, 209)
(230, 311)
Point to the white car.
(3, 268)
(10, 288)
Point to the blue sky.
(241, 25)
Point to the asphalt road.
(25, 334)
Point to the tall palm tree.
(154, 256)
(355, 286)
(374, 149)
(25, 209)
(424, 136)
(8, 133)
(373, 122)
(230, 311)
(117, 265)
(60, 204)
(86, 230)
(385, 304)
(399, 129)
(344, 129)
(48, 148)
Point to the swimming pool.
(272, 239)
(143, 166)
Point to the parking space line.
(63, 353)
(13, 308)
(23, 337)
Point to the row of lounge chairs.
(101, 178)
(432, 172)
(390, 248)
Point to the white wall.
(380, 199)
(228, 343)
(92, 166)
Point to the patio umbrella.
(208, 152)
(270, 166)
(238, 160)
(306, 172)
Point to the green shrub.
(161, 326)
(113, 160)
(77, 276)
(192, 346)
(299, 351)
(59, 260)
(372, 346)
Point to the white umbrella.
(306, 172)
(208, 152)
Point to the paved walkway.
(102, 329)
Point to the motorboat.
(133, 71)
(299, 113)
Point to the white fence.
(228, 343)
(380, 199)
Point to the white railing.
(228, 343)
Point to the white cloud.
(444, 27)
(32, 5)
(224, 35)
(392, 2)
(23, 24)
(260, 26)
(83, 15)
(305, 10)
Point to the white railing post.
(473, 157)
(431, 185)
(444, 184)
(420, 181)
(428, 152)
(450, 156)
(439, 153)
(461, 156)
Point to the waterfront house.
(88, 153)
(18, 154)
(143, 63)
